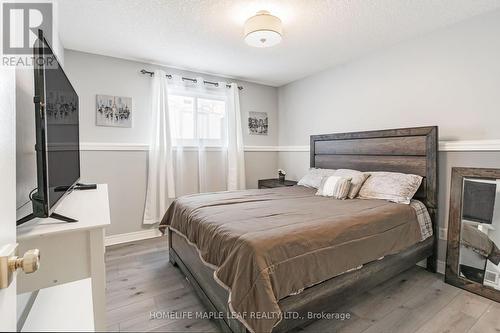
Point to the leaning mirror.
(473, 256)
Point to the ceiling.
(206, 35)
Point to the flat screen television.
(57, 134)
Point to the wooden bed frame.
(408, 150)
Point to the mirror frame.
(454, 229)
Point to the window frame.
(195, 142)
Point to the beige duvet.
(268, 244)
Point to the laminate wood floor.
(141, 282)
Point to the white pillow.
(392, 186)
(357, 180)
(314, 176)
(333, 186)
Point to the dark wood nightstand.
(274, 182)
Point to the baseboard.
(440, 265)
(131, 236)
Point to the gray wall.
(125, 171)
(448, 78)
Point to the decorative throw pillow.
(357, 180)
(314, 176)
(392, 186)
(333, 186)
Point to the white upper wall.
(449, 78)
(95, 74)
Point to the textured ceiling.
(206, 35)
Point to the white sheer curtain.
(161, 186)
(235, 147)
(190, 145)
(196, 144)
(207, 136)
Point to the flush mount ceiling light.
(263, 30)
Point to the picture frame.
(113, 111)
(258, 123)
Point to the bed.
(409, 150)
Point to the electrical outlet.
(443, 233)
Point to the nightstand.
(274, 182)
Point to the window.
(197, 119)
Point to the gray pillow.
(314, 176)
(357, 180)
(392, 186)
(335, 187)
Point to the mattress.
(265, 245)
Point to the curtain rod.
(169, 76)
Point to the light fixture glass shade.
(263, 30)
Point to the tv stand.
(62, 218)
(81, 244)
(55, 216)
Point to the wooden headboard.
(406, 150)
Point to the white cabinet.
(63, 308)
(70, 251)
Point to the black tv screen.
(63, 137)
(57, 134)
(479, 201)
